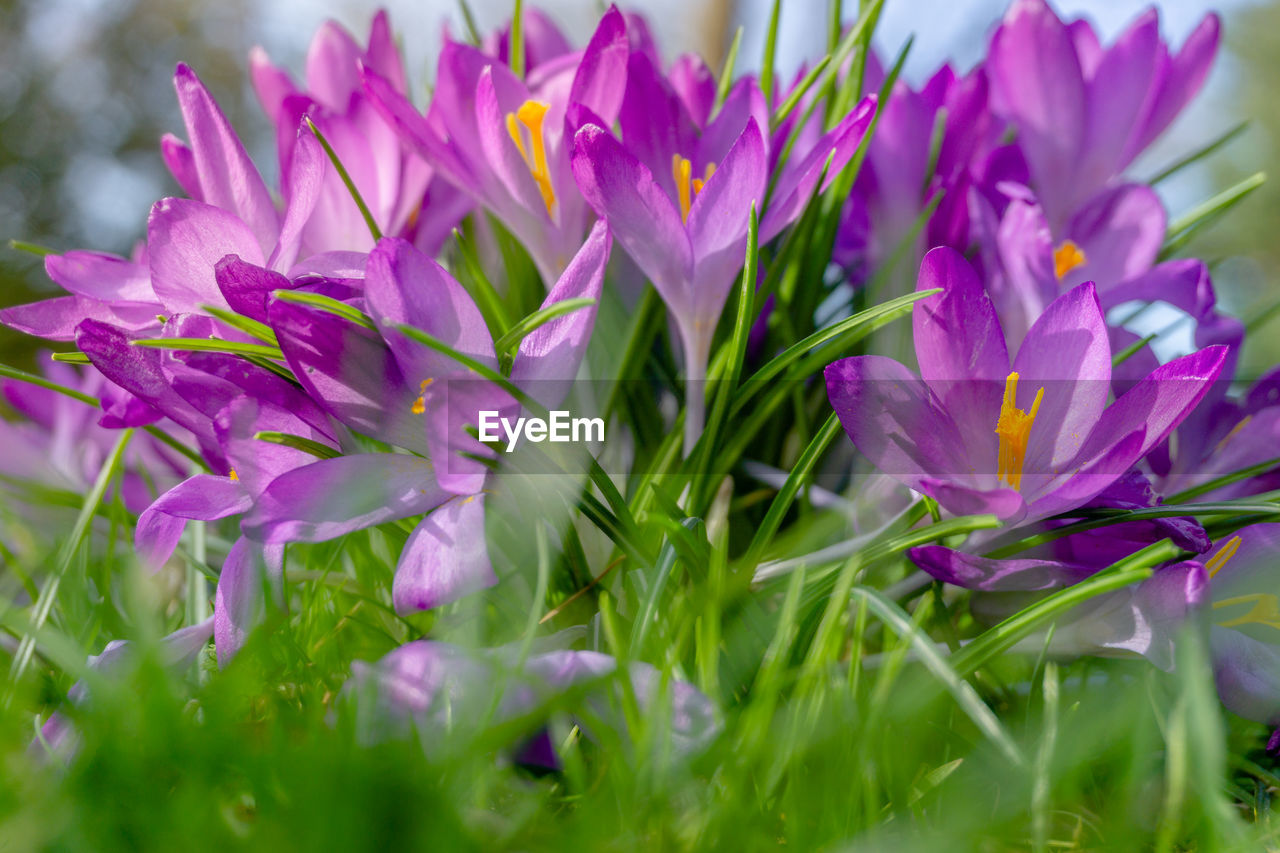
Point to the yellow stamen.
(1014, 429)
(420, 405)
(1067, 257)
(682, 171)
(1265, 610)
(1235, 430)
(1225, 553)
(233, 475)
(687, 186)
(531, 114)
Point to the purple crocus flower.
(437, 687)
(1082, 112)
(1023, 438)
(396, 184)
(505, 140)
(1244, 618)
(678, 196)
(179, 649)
(424, 397)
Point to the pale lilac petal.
(1186, 75)
(98, 275)
(1117, 94)
(333, 66)
(983, 573)
(445, 558)
(597, 84)
(240, 603)
(332, 497)
(1067, 352)
(894, 420)
(56, 319)
(228, 178)
(203, 497)
(1120, 231)
(186, 239)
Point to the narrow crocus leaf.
(210, 345)
(346, 179)
(297, 442)
(525, 327)
(326, 303)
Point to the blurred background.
(85, 93)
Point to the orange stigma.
(687, 186)
(1067, 257)
(233, 475)
(1014, 429)
(420, 405)
(531, 114)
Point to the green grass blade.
(525, 327)
(325, 303)
(346, 180)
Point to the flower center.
(531, 115)
(687, 186)
(420, 405)
(1066, 257)
(1014, 429)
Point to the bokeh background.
(85, 93)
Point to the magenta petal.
(983, 573)
(1067, 352)
(445, 558)
(1118, 92)
(959, 499)
(228, 178)
(331, 497)
(596, 83)
(240, 601)
(894, 420)
(333, 64)
(56, 319)
(203, 497)
(548, 359)
(185, 241)
(1186, 75)
(97, 275)
(1037, 81)
(961, 349)
(307, 169)
(181, 163)
(1120, 230)
(642, 217)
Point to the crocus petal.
(203, 497)
(1120, 231)
(247, 287)
(307, 169)
(181, 163)
(97, 275)
(960, 499)
(961, 350)
(1146, 618)
(56, 319)
(1117, 94)
(1037, 81)
(185, 241)
(894, 420)
(642, 217)
(228, 178)
(596, 83)
(982, 573)
(240, 601)
(350, 372)
(1067, 352)
(1186, 75)
(332, 497)
(549, 357)
(445, 558)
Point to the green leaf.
(210, 345)
(517, 39)
(786, 495)
(298, 442)
(1203, 152)
(770, 51)
(31, 248)
(1131, 350)
(469, 21)
(964, 694)
(326, 303)
(726, 73)
(8, 372)
(482, 290)
(1132, 569)
(248, 325)
(74, 357)
(525, 327)
(1182, 229)
(346, 180)
(797, 94)
(66, 553)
